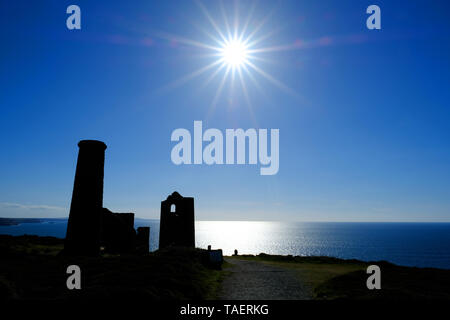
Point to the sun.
(234, 53)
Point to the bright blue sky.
(365, 138)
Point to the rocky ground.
(254, 280)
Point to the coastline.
(34, 269)
(406, 244)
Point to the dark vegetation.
(334, 279)
(397, 283)
(32, 268)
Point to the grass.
(31, 268)
(333, 279)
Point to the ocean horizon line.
(237, 220)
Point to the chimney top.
(92, 144)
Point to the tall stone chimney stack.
(83, 229)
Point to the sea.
(406, 244)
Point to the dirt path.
(252, 280)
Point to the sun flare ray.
(237, 50)
(190, 76)
(211, 20)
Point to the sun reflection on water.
(245, 236)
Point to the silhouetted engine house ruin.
(91, 226)
(177, 222)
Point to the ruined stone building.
(90, 226)
(177, 222)
(117, 234)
